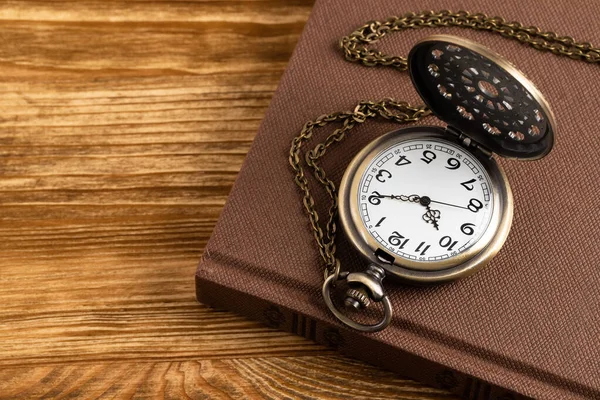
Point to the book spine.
(349, 343)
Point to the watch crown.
(356, 299)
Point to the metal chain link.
(355, 45)
(356, 49)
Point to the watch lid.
(481, 94)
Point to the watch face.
(425, 200)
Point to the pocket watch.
(427, 204)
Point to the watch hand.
(431, 216)
(448, 204)
(413, 198)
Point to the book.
(526, 325)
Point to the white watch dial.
(426, 199)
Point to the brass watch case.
(445, 70)
(424, 272)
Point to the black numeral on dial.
(383, 175)
(468, 184)
(375, 198)
(475, 205)
(380, 221)
(428, 156)
(467, 229)
(403, 161)
(398, 240)
(453, 163)
(423, 248)
(447, 242)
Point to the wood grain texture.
(123, 125)
(265, 377)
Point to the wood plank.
(123, 126)
(262, 377)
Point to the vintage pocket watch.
(427, 204)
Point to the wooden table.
(123, 125)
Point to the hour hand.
(430, 216)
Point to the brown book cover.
(528, 323)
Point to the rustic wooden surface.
(122, 127)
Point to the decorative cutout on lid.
(482, 95)
(434, 70)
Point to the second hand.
(448, 204)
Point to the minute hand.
(448, 204)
